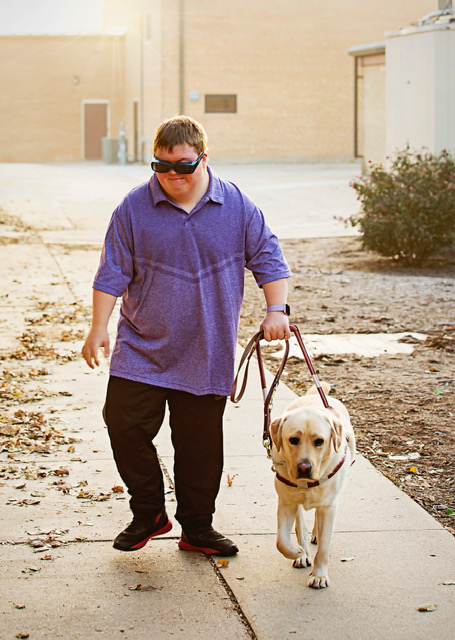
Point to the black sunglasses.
(179, 167)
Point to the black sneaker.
(208, 541)
(139, 531)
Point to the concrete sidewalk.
(61, 577)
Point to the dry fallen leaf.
(37, 543)
(117, 489)
(230, 479)
(427, 607)
(30, 569)
(22, 634)
(61, 472)
(223, 563)
(143, 587)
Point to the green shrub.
(408, 211)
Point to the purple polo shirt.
(181, 279)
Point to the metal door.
(95, 129)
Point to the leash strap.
(254, 346)
(250, 348)
(295, 329)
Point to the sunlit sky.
(40, 17)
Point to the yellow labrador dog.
(313, 449)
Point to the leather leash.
(254, 346)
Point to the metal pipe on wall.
(142, 88)
(182, 57)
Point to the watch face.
(288, 310)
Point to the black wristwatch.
(285, 308)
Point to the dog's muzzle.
(304, 469)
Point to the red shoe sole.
(167, 527)
(186, 546)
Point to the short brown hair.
(180, 130)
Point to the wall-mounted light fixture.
(76, 80)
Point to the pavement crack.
(231, 595)
(59, 267)
(166, 473)
(235, 603)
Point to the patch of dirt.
(402, 406)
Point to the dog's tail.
(313, 389)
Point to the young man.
(175, 251)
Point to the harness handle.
(295, 329)
(254, 346)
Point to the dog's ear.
(275, 431)
(337, 432)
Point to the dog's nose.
(304, 468)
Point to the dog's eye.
(294, 440)
(318, 442)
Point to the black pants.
(133, 413)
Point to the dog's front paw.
(288, 550)
(302, 563)
(318, 582)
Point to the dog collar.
(314, 483)
(285, 481)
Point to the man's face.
(181, 188)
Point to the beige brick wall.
(152, 46)
(288, 64)
(41, 108)
(286, 61)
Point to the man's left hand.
(276, 326)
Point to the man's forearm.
(276, 292)
(103, 305)
(98, 337)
